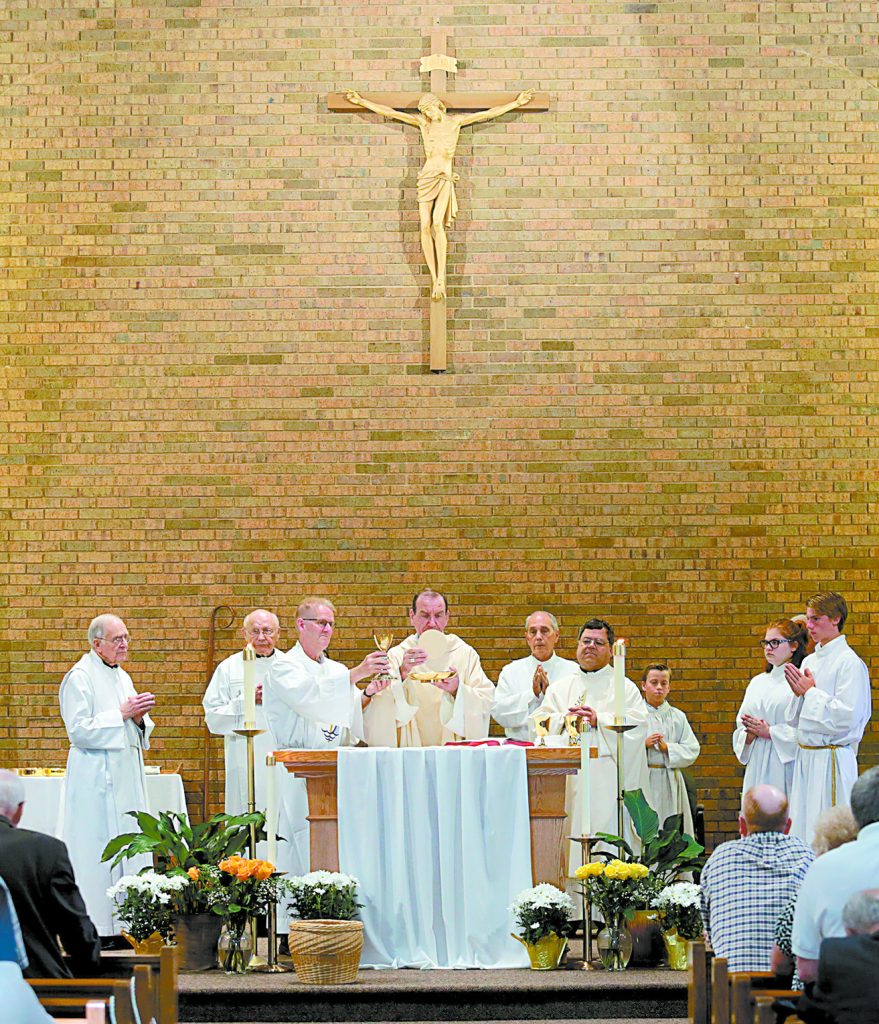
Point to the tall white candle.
(249, 687)
(271, 810)
(619, 681)
(585, 781)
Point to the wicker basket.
(326, 952)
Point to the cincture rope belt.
(829, 746)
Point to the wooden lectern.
(547, 768)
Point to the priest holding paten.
(522, 684)
(593, 694)
(109, 727)
(439, 692)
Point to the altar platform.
(570, 994)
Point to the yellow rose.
(639, 870)
(617, 869)
(590, 870)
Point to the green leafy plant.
(668, 851)
(326, 895)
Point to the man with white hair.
(39, 876)
(109, 727)
(522, 684)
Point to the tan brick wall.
(663, 332)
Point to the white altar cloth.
(43, 800)
(440, 841)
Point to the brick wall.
(663, 335)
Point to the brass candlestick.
(256, 962)
(586, 844)
(619, 727)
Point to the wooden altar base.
(427, 996)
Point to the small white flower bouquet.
(145, 903)
(542, 910)
(681, 907)
(324, 895)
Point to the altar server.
(425, 714)
(829, 706)
(522, 684)
(671, 745)
(589, 693)
(109, 727)
(763, 740)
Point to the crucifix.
(440, 130)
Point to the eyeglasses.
(268, 631)
(321, 623)
(588, 641)
(115, 641)
(772, 644)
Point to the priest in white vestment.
(109, 728)
(313, 703)
(763, 740)
(428, 714)
(671, 746)
(830, 706)
(522, 684)
(589, 693)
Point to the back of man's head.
(860, 915)
(865, 798)
(11, 795)
(764, 809)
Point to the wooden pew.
(699, 959)
(65, 994)
(96, 1011)
(165, 969)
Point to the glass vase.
(614, 943)
(235, 946)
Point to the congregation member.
(589, 693)
(522, 684)
(836, 876)
(109, 726)
(829, 706)
(748, 882)
(224, 710)
(763, 740)
(47, 901)
(848, 966)
(671, 746)
(413, 713)
(20, 1002)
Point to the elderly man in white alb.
(413, 713)
(589, 693)
(829, 707)
(109, 727)
(523, 683)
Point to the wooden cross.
(438, 64)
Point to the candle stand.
(256, 961)
(586, 844)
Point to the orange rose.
(263, 870)
(193, 874)
(230, 865)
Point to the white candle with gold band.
(619, 681)
(249, 687)
(585, 782)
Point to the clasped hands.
(137, 706)
(657, 741)
(755, 728)
(584, 711)
(799, 682)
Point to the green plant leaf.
(644, 819)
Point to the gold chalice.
(383, 642)
(541, 729)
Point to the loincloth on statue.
(439, 186)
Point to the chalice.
(541, 729)
(383, 642)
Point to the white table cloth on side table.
(439, 839)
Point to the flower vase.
(196, 935)
(235, 946)
(614, 943)
(546, 953)
(676, 947)
(647, 947)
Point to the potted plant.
(615, 888)
(144, 904)
(680, 905)
(325, 941)
(543, 917)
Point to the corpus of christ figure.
(437, 204)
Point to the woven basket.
(326, 952)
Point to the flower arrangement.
(616, 888)
(242, 888)
(323, 895)
(542, 910)
(681, 907)
(145, 903)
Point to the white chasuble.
(413, 714)
(771, 761)
(104, 779)
(514, 700)
(668, 791)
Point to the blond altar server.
(426, 714)
(589, 693)
(671, 745)
(829, 706)
(313, 703)
(223, 704)
(522, 684)
(763, 740)
(109, 728)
